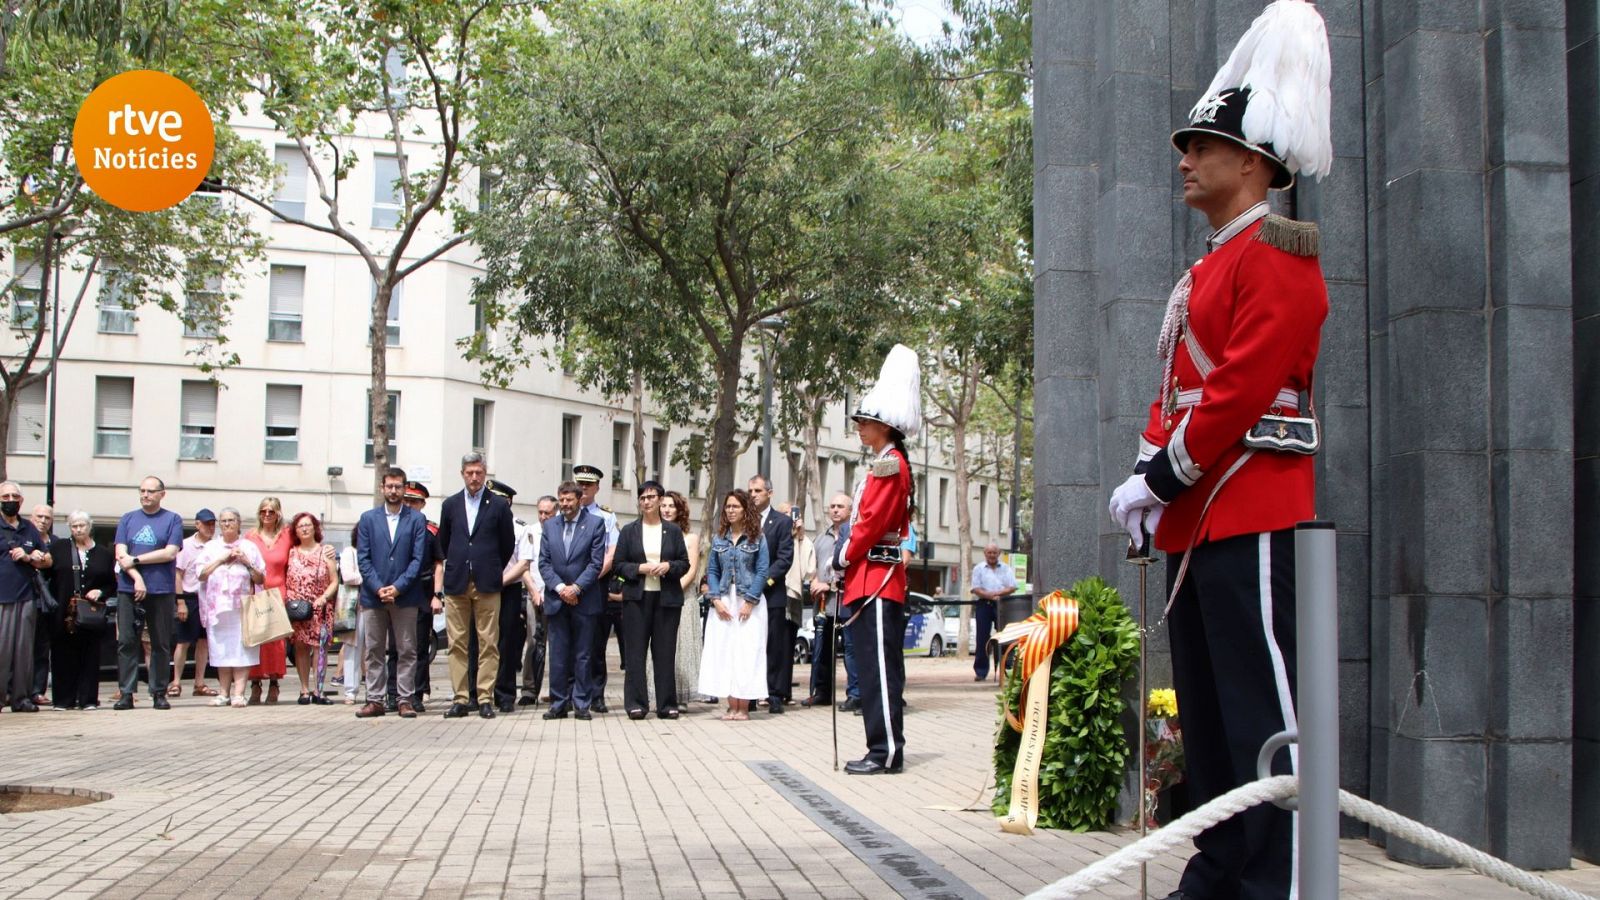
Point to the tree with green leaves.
(184, 259)
(407, 74)
(677, 172)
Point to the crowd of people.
(513, 598)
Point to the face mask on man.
(10, 508)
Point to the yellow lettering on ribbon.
(1037, 639)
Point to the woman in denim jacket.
(734, 661)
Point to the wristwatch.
(438, 595)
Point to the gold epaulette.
(1289, 235)
(883, 468)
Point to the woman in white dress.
(230, 569)
(734, 662)
(675, 509)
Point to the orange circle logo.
(143, 140)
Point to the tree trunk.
(8, 403)
(639, 468)
(960, 413)
(811, 469)
(723, 457)
(378, 399)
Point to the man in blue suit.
(572, 554)
(478, 540)
(390, 542)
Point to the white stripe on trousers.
(1280, 677)
(883, 686)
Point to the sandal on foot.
(272, 693)
(174, 690)
(201, 690)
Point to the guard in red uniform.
(1224, 471)
(869, 553)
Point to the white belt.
(1288, 397)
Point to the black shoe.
(485, 711)
(458, 711)
(850, 704)
(599, 707)
(30, 706)
(391, 703)
(525, 700)
(865, 766)
(637, 714)
(775, 707)
(506, 706)
(417, 704)
(125, 703)
(584, 715)
(556, 712)
(305, 700)
(1180, 895)
(159, 701)
(814, 700)
(980, 678)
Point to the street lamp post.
(55, 364)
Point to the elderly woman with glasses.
(230, 569)
(273, 540)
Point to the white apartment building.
(290, 420)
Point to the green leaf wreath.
(1085, 750)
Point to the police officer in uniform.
(610, 621)
(1221, 488)
(874, 583)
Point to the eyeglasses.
(643, 497)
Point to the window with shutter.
(392, 332)
(394, 421)
(26, 292)
(29, 418)
(291, 197)
(286, 303)
(569, 444)
(482, 418)
(385, 191)
(197, 421)
(202, 305)
(283, 423)
(113, 416)
(116, 308)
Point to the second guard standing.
(874, 571)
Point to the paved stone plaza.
(304, 800)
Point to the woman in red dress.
(274, 541)
(311, 576)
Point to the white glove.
(1128, 504)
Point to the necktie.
(566, 536)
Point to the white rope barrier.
(1279, 787)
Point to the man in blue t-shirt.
(148, 540)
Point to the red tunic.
(1257, 311)
(881, 511)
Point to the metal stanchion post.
(1317, 652)
(1140, 556)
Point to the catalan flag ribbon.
(1035, 640)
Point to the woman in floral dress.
(312, 576)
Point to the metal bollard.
(1317, 639)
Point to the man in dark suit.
(778, 530)
(478, 539)
(391, 542)
(513, 622)
(572, 555)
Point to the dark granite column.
(1583, 103)
(1067, 493)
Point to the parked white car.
(925, 630)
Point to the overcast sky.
(923, 20)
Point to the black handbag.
(297, 610)
(86, 613)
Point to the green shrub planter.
(1085, 750)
